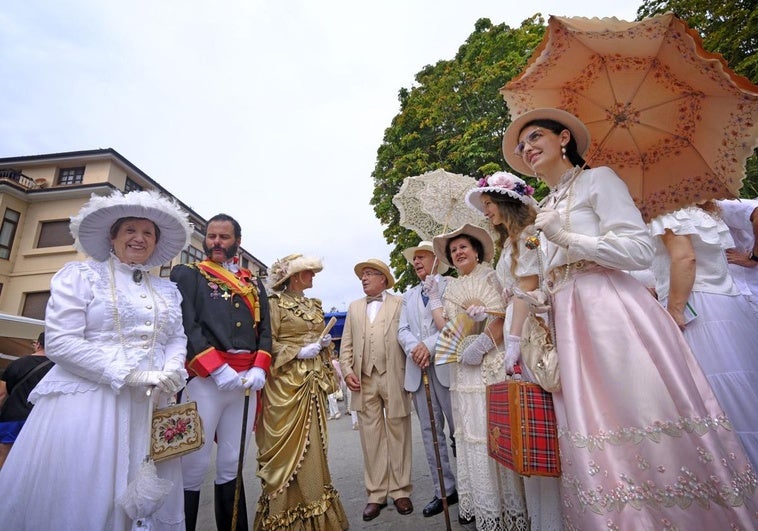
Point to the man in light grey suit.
(421, 319)
(373, 365)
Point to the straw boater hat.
(440, 242)
(375, 263)
(510, 139)
(501, 183)
(285, 267)
(424, 246)
(91, 226)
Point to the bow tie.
(375, 298)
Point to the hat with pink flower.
(501, 182)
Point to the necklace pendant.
(137, 276)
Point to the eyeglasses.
(371, 273)
(530, 139)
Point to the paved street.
(346, 465)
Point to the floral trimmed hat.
(285, 267)
(501, 183)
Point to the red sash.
(242, 285)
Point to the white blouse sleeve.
(71, 298)
(620, 238)
(693, 221)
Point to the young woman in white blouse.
(644, 443)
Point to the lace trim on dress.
(634, 435)
(688, 489)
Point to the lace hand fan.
(476, 291)
(454, 338)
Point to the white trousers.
(221, 413)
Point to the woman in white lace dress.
(114, 331)
(488, 493)
(506, 201)
(692, 278)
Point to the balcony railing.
(18, 177)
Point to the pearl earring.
(563, 152)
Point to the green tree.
(452, 118)
(729, 28)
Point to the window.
(131, 186)
(54, 234)
(8, 232)
(192, 254)
(68, 176)
(35, 304)
(165, 270)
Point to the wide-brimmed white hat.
(440, 242)
(424, 246)
(501, 183)
(285, 267)
(510, 139)
(375, 263)
(91, 226)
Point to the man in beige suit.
(373, 364)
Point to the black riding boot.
(191, 503)
(224, 501)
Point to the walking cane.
(238, 484)
(441, 477)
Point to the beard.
(229, 252)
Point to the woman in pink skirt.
(644, 443)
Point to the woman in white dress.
(692, 278)
(488, 493)
(741, 216)
(506, 201)
(114, 331)
(643, 441)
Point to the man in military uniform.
(226, 319)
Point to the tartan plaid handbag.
(522, 432)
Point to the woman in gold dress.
(297, 490)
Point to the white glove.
(226, 378)
(175, 383)
(477, 313)
(512, 353)
(254, 378)
(473, 354)
(549, 222)
(166, 382)
(309, 351)
(432, 290)
(325, 341)
(536, 299)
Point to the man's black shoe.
(435, 506)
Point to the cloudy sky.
(268, 110)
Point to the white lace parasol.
(434, 203)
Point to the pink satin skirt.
(644, 443)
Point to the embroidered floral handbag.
(176, 430)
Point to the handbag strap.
(547, 292)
